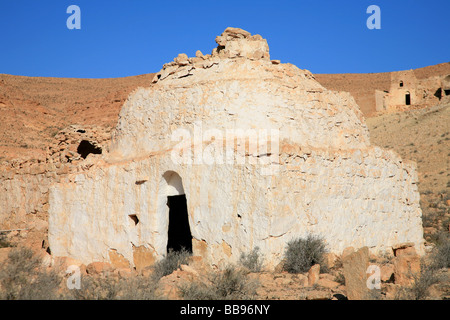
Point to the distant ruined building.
(408, 92)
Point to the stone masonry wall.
(352, 198)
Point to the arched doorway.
(408, 98)
(179, 233)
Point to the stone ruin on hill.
(226, 152)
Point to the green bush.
(302, 253)
(253, 261)
(229, 284)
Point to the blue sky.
(129, 37)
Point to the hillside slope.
(34, 109)
(424, 137)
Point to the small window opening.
(134, 218)
(401, 84)
(85, 148)
(81, 131)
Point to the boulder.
(387, 272)
(182, 59)
(330, 259)
(406, 269)
(313, 275)
(406, 248)
(355, 265)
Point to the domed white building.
(226, 152)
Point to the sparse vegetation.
(97, 288)
(430, 273)
(253, 261)
(23, 277)
(111, 287)
(302, 253)
(4, 243)
(441, 255)
(170, 263)
(229, 284)
(339, 278)
(422, 282)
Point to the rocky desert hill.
(424, 137)
(34, 109)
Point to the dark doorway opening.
(438, 93)
(407, 99)
(85, 148)
(179, 235)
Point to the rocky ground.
(403, 277)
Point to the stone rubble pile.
(233, 43)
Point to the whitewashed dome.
(237, 87)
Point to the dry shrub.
(4, 243)
(253, 261)
(170, 263)
(419, 290)
(302, 253)
(441, 254)
(111, 287)
(230, 284)
(430, 273)
(23, 277)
